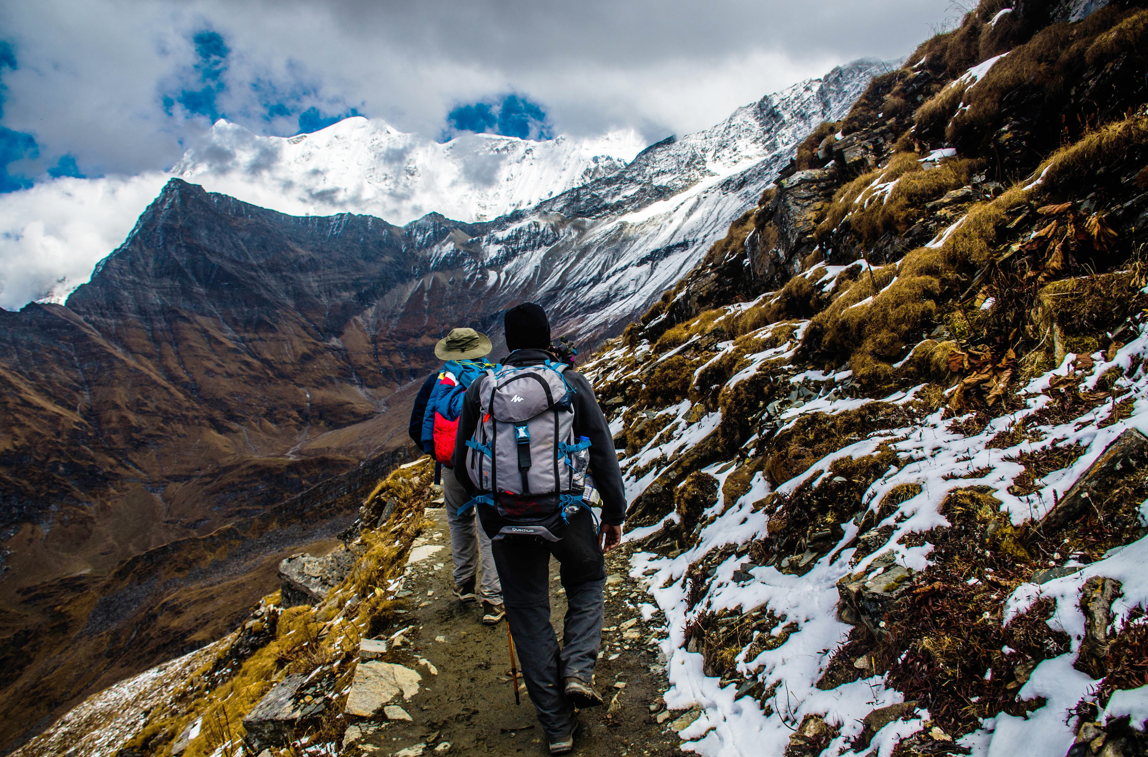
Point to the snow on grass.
(939, 458)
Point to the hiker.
(537, 522)
(434, 420)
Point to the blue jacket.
(446, 399)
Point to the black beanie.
(526, 326)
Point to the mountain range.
(228, 359)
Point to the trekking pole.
(513, 667)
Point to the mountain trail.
(466, 697)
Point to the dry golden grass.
(915, 187)
(1112, 144)
(1049, 64)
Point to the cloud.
(206, 74)
(121, 89)
(94, 75)
(53, 234)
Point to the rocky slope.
(885, 446)
(227, 360)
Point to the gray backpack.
(523, 456)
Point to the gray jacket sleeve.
(591, 423)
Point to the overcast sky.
(99, 98)
(122, 86)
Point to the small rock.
(1096, 602)
(685, 721)
(663, 717)
(938, 735)
(612, 579)
(620, 685)
(394, 712)
(443, 748)
(866, 596)
(273, 721)
(1089, 732)
(629, 623)
(1118, 460)
(1060, 571)
(372, 649)
(430, 666)
(881, 717)
(411, 751)
(440, 639)
(306, 579)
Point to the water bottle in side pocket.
(581, 463)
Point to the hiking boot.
(465, 590)
(492, 613)
(563, 744)
(581, 694)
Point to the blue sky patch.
(66, 167)
(312, 119)
(211, 64)
(511, 116)
(14, 145)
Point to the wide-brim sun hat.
(462, 344)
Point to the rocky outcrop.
(868, 595)
(1125, 455)
(288, 708)
(307, 579)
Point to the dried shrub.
(1126, 662)
(721, 637)
(1113, 145)
(814, 436)
(693, 497)
(1039, 76)
(742, 405)
(1039, 463)
(906, 202)
(867, 111)
(670, 381)
(799, 298)
(806, 157)
(738, 483)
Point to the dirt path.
(469, 702)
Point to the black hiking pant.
(524, 568)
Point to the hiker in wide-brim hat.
(433, 425)
(463, 344)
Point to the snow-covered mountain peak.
(367, 166)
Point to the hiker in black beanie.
(559, 679)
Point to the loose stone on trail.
(376, 684)
(371, 649)
(394, 712)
